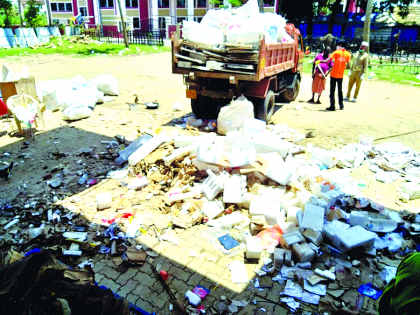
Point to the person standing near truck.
(341, 59)
(357, 70)
(319, 74)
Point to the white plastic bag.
(106, 83)
(233, 117)
(216, 18)
(201, 34)
(76, 112)
(251, 7)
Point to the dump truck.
(214, 75)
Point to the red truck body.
(215, 75)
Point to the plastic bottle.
(125, 154)
(82, 179)
(193, 298)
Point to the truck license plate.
(191, 94)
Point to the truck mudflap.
(258, 89)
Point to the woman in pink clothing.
(319, 74)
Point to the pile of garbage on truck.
(244, 25)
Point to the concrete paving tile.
(147, 306)
(180, 287)
(110, 272)
(129, 274)
(178, 272)
(97, 267)
(161, 302)
(195, 278)
(145, 279)
(144, 292)
(127, 287)
(195, 264)
(157, 287)
(98, 277)
(132, 298)
(109, 284)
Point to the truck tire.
(290, 94)
(203, 107)
(264, 107)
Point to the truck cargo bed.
(245, 62)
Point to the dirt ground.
(382, 110)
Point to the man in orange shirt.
(341, 59)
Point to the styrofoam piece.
(54, 31)
(274, 193)
(138, 183)
(261, 144)
(104, 201)
(353, 237)
(313, 236)
(304, 197)
(204, 141)
(287, 227)
(288, 239)
(43, 34)
(279, 256)
(269, 208)
(325, 273)
(254, 127)
(232, 190)
(412, 189)
(176, 154)
(313, 218)
(320, 203)
(330, 229)
(203, 166)
(285, 204)
(212, 209)
(146, 149)
(292, 214)
(253, 248)
(72, 252)
(304, 265)
(181, 196)
(358, 218)
(212, 155)
(279, 174)
(232, 219)
(303, 252)
(26, 37)
(241, 157)
(327, 157)
(288, 258)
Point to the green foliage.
(12, 17)
(6, 8)
(234, 3)
(33, 16)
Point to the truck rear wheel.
(204, 107)
(264, 107)
(291, 94)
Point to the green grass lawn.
(395, 73)
(64, 46)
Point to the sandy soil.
(382, 110)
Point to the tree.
(123, 24)
(402, 5)
(366, 27)
(306, 11)
(32, 14)
(6, 7)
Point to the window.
(180, 3)
(61, 7)
(83, 11)
(136, 22)
(268, 3)
(162, 23)
(180, 19)
(163, 3)
(201, 4)
(56, 21)
(107, 3)
(198, 18)
(131, 3)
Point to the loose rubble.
(301, 221)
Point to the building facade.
(138, 14)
